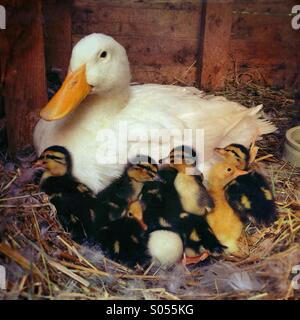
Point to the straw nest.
(43, 262)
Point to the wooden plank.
(153, 4)
(165, 74)
(270, 64)
(264, 21)
(136, 22)
(58, 34)
(23, 70)
(216, 42)
(264, 7)
(264, 46)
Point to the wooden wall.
(22, 62)
(263, 42)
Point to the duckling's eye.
(130, 215)
(229, 169)
(103, 54)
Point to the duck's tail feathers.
(241, 116)
(265, 126)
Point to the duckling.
(75, 203)
(163, 245)
(250, 195)
(116, 198)
(188, 183)
(223, 221)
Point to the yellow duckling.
(224, 222)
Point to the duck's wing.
(251, 197)
(174, 107)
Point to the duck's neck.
(136, 189)
(216, 187)
(97, 110)
(219, 196)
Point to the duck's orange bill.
(136, 211)
(239, 172)
(142, 224)
(72, 92)
(220, 151)
(39, 163)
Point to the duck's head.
(98, 65)
(180, 158)
(55, 161)
(143, 169)
(222, 173)
(235, 154)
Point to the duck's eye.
(130, 215)
(229, 169)
(103, 54)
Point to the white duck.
(97, 96)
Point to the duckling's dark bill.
(72, 92)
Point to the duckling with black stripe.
(116, 198)
(75, 203)
(188, 183)
(123, 238)
(250, 195)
